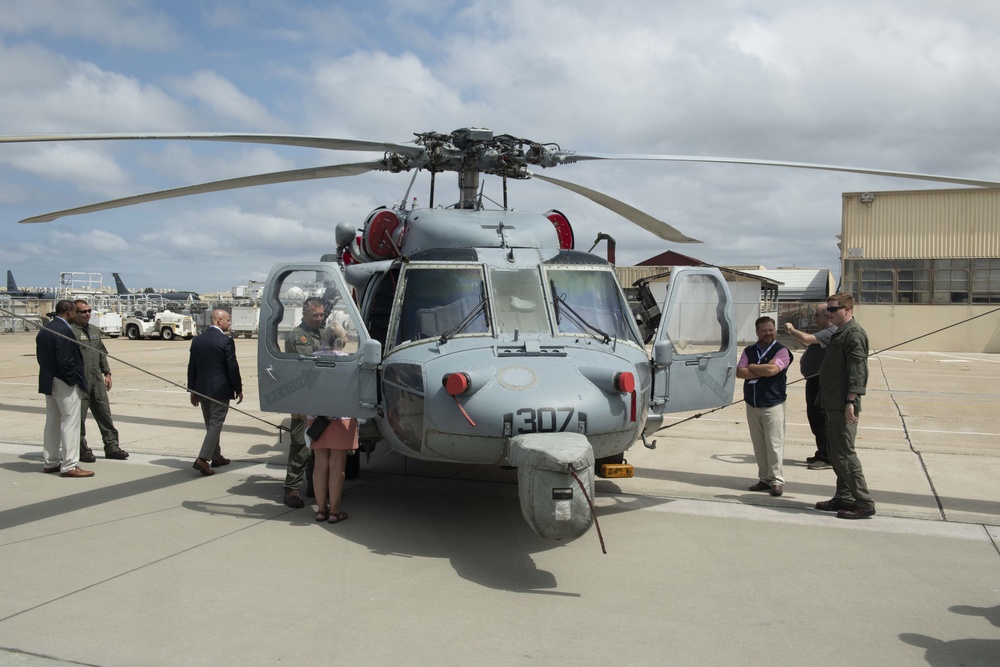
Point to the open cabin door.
(333, 382)
(694, 351)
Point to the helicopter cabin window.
(518, 302)
(441, 300)
(697, 317)
(589, 301)
(313, 317)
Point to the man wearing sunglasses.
(98, 374)
(842, 380)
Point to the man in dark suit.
(61, 379)
(213, 372)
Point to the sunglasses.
(833, 309)
(83, 312)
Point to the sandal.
(322, 516)
(337, 517)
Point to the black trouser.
(817, 417)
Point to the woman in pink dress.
(331, 446)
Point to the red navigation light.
(563, 229)
(456, 383)
(625, 382)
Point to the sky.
(906, 85)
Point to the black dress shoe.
(201, 465)
(88, 457)
(856, 513)
(761, 486)
(116, 454)
(833, 505)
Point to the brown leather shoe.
(220, 461)
(49, 471)
(88, 457)
(77, 472)
(777, 489)
(116, 455)
(201, 465)
(761, 486)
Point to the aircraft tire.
(166, 333)
(353, 468)
(132, 332)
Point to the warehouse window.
(938, 281)
(986, 281)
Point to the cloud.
(225, 100)
(122, 23)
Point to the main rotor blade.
(333, 171)
(570, 158)
(303, 141)
(644, 220)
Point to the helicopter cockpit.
(446, 300)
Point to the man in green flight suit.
(303, 339)
(98, 374)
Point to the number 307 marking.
(544, 420)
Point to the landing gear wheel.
(166, 333)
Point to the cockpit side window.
(302, 294)
(438, 300)
(589, 301)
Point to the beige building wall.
(889, 325)
(921, 224)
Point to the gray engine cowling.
(551, 499)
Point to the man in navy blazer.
(213, 372)
(61, 379)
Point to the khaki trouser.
(767, 432)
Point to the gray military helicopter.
(482, 336)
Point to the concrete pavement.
(149, 563)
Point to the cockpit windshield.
(518, 301)
(589, 301)
(438, 300)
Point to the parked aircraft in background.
(14, 290)
(167, 296)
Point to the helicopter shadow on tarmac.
(467, 514)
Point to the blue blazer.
(212, 366)
(58, 357)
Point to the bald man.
(213, 372)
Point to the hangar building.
(920, 261)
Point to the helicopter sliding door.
(694, 352)
(326, 370)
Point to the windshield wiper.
(480, 307)
(576, 317)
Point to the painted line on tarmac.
(810, 517)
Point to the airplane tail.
(11, 285)
(118, 282)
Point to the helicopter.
(482, 335)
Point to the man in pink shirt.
(763, 367)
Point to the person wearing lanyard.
(763, 367)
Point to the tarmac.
(149, 563)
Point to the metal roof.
(799, 284)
